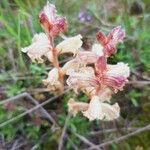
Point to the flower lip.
(70, 45)
(102, 111)
(40, 47)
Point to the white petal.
(75, 107)
(101, 111)
(53, 76)
(70, 45)
(39, 47)
(52, 82)
(72, 64)
(105, 94)
(50, 12)
(97, 49)
(120, 69)
(81, 78)
(81, 72)
(86, 57)
(95, 109)
(110, 112)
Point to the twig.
(32, 109)
(86, 141)
(48, 116)
(27, 95)
(83, 139)
(111, 130)
(61, 141)
(139, 82)
(139, 75)
(14, 145)
(42, 138)
(13, 98)
(119, 139)
(21, 145)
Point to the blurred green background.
(19, 22)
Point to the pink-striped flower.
(50, 22)
(113, 76)
(101, 77)
(109, 43)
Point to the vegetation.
(18, 23)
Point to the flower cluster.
(88, 71)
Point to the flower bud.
(50, 22)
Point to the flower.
(84, 17)
(120, 69)
(101, 111)
(81, 60)
(75, 107)
(109, 43)
(70, 45)
(40, 47)
(93, 81)
(97, 49)
(50, 22)
(113, 76)
(53, 82)
(81, 78)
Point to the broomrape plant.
(88, 71)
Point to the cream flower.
(97, 49)
(81, 60)
(75, 107)
(120, 69)
(95, 80)
(101, 111)
(70, 45)
(81, 79)
(105, 94)
(72, 64)
(40, 47)
(52, 82)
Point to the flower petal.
(97, 49)
(110, 112)
(102, 39)
(40, 47)
(81, 79)
(86, 57)
(75, 107)
(105, 94)
(102, 111)
(116, 83)
(116, 35)
(120, 69)
(72, 64)
(50, 22)
(95, 110)
(101, 65)
(52, 82)
(70, 45)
